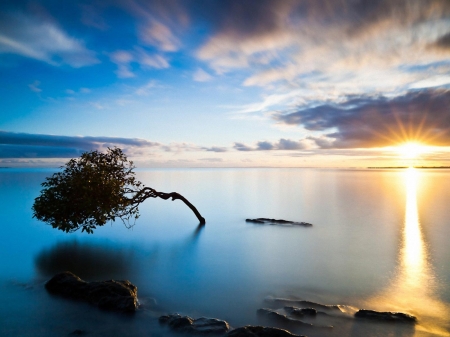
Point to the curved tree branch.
(148, 192)
(175, 196)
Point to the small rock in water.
(278, 222)
(201, 326)
(259, 331)
(108, 295)
(254, 221)
(77, 332)
(386, 316)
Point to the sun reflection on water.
(413, 288)
(413, 255)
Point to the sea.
(379, 240)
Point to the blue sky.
(225, 83)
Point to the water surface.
(379, 241)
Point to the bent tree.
(94, 189)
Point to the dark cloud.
(26, 145)
(242, 147)
(86, 143)
(215, 149)
(443, 42)
(27, 151)
(282, 144)
(264, 146)
(378, 121)
(287, 144)
(262, 17)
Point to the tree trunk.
(175, 196)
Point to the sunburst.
(411, 150)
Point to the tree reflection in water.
(86, 260)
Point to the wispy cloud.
(124, 59)
(35, 86)
(147, 60)
(159, 23)
(145, 89)
(201, 76)
(31, 37)
(212, 160)
(159, 35)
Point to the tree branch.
(175, 196)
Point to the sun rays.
(412, 150)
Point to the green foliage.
(89, 192)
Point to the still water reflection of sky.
(379, 241)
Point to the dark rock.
(254, 221)
(300, 311)
(278, 222)
(278, 318)
(259, 331)
(107, 295)
(304, 304)
(386, 316)
(210, 326)
(200, 326)
(77, 332)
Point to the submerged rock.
(300, 311)
(276, 317)
(282, 222)
(386, 316)
(201, 326)
(260, 331)
(108, 295)
(304, 304)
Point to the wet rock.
(254, 221)
(259, 331)
(108, 295)
(278, 318)
(300, 311)
(303, 304)
(386, 316)
(278, 222)
(200, 326)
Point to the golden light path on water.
(414, 286)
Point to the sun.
(411, 150)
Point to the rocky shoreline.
(284, 315)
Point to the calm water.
(379, 241)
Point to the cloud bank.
(330, 47)
(377, 121)
(26, 145)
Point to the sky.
(236, 83)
